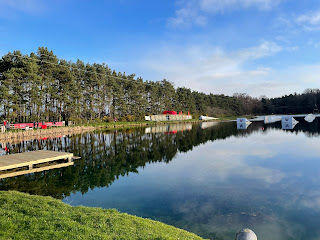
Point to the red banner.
(22, 125)
(58, 124)
(30, 125)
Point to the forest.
(307, 102)
(42, 87)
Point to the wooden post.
(30, 166)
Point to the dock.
(34, 161)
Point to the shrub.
(107, 119)
(130, 118)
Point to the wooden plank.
(30, 158)
(18, 173)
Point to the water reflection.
(211, 180)
(289, 125)
(243, 125)
(169, 128)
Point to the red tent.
(170, 112)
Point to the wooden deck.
(35, 161)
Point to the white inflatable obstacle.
(271, 119)
(243, 123)
(246, 234)
(310, 118)
(242, 120)
(207, 118)
(288, 122)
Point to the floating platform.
(35, 161)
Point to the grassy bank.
(120, 125)
(23, 216)
(138, 123)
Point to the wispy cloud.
(12, 8)
(222, 5)
(208, 69)
(195, 12)
(215, 70)
(310, 21)
(188, 14)
(186, 17)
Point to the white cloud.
(194, 12)
(214, 70)
(186, 17)
(207, 69)
(264, 49)
(310, 18)
(310, 21)
(222, 5)
(314, 43)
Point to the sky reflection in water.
(266, 180)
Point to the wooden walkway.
(35, 161)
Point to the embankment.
(23, 216)
(22, 135)
(17, 136)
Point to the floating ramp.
(243, 123)
(206, 118)
(35, 161)
(288, 122)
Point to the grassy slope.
(24, 216)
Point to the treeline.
(306, 102)
(41, 87)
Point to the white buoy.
(246, 234)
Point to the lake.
(210, 178)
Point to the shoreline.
(23, 135)
(35, 217)
(117, 125)
(17, 136)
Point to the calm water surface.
(210, 179)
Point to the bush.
(98, 120)
(130, 118)
(121, 119)
(107, 119)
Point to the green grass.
(24, 216)
(234, 117)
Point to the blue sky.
(259, 47)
